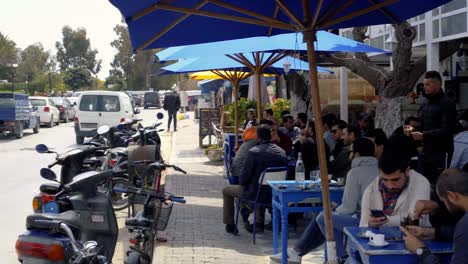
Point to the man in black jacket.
(438, 120)
(265, 154)
(452, 188)
(172, 105)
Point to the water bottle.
(300, 172)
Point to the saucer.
(384, 244)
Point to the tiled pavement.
(196, 233)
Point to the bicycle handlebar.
(151, 193)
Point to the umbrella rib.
(239, 57)
(358, 13)
(289, 13)
(277, 57)
(155, 7)
(275, 15)
(245, 11)
(277, 24)
(169, 27)
(387, 13)
(331, 12)
(317, 11)
(267, 60)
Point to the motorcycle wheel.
(119, 200)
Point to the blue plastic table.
(360, 251)
(283, 198)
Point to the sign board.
(207, 117)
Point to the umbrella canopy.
(225, 63)
(326, 42)
(160, 24)
(209, 75)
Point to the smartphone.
(378, 213)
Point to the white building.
(442, 24)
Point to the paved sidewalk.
(196, 233)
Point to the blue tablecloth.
(283, 198)
(360, 251)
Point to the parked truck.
(17, 114)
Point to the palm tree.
(8, 50)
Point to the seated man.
(395, 191)
(265, 154)
(340, 166)
(364, 171)
(452, 189)
(289, 128)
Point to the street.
(20, 165)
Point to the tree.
(76, 78)
(390, 86)
(34, 62)
(8, 56)
(137, 71)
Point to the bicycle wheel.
(148, 246)
(119, 200)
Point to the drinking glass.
(314, 178)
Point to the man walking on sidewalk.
(172, 105)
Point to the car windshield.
(58, 101)
(151, 96)
(38, 102)
(100, 103)
(7, 102)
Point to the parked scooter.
(85, 234)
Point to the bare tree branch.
(359, 34)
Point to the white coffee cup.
(377, 239)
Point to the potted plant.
(214, 153)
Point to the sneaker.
(231, 228)
(259, 228)
(293, 257)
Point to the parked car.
(48, 112)
(97, 108)
(67, 111)
(152, 99)
(73, 101)
(17, 114)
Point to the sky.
(30, 21)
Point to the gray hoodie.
(363, 171)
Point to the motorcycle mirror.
(48, 174)
(41, 148)
(103, 129)
(159, 115)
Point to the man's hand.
(411, 242)
(377, 221)
(424, 207)
(423, 233)
(417, 135)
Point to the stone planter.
(215, 155)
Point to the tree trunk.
(300, 99)
(388, 114)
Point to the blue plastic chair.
(271, 173)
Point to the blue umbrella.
(326, 42)
(238, 72)
(159, 24)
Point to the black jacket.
(438, 122)
(340, 166)
(309, 155)
(265, 154)
(172, 102)
(460, 240)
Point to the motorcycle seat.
(138, 221)
(49, 188)
(51, 221)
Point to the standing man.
(172, 105)
(438, 119)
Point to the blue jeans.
(310, 239)
(339, 223)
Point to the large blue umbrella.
(160, 24)
(326, 42)
(236, 72)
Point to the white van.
(97, 108)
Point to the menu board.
(207, 117)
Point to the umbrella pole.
(309, 38)
(259, 94)
(236, 117)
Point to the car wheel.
(19, 130)
(38, 126)
(51, 123)
(79, 140)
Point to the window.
(421, 17)
(51, 102)
(435, 12)
(453, 5)
(110, 103)
(348, 34)
(377, 42)
(58, 101)
(89, 103)
(7, 103)
(435, 29)
(422, 32)
(452, 25)
(38, 102)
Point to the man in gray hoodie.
(364, 169)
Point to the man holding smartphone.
(395, 191)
